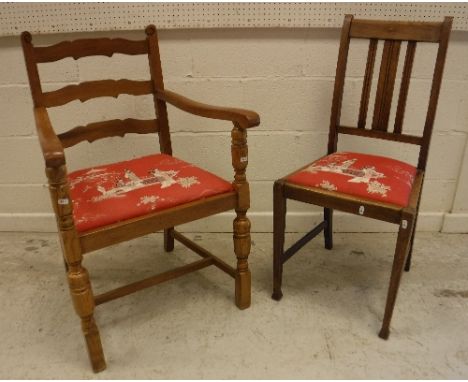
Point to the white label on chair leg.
(63, 201)
(361, 210)
(244, 159)
(404, 224)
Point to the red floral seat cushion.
(111, 193)
(367, 176)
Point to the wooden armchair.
(368, 185)
(108, 204)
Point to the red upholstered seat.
(111, 193)
(367, 176)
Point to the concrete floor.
(325, 327)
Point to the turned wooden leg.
(328, 230)
(242, 250)
(169, 239)
(241, 223)
(279, 225)
(78, 279)
(402, 247)
(83, 301)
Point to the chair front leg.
(279, 226)
(402, 247)
(241, 225)
(78, 279)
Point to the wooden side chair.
(108, 204)
(373, 186)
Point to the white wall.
(286, 75)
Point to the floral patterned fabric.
(368, 176)
(111, 193)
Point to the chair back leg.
(279, 226)
(169, 239)
(328, 229)
(402, 247)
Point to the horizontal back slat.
(405, 138)
(112, 128)
(93, 89)
(396, 30)
(89, 47)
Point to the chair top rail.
(89, 47)
(396, 30)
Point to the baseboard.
(455, 223)
(262, 222)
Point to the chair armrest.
(52, 148)
(244, 118)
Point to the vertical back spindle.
(384, 95)
(405, 81)
(366, 86)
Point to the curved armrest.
(52, 148)
(245, 118)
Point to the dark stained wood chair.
(372, 186)
(112, 203)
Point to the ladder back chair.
(107, 204)
(373, 186)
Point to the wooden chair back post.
(158, 84)
(393, 33)
(339, 84)
(435, 90)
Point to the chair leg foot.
(243, 292)
(93, 344)
(384, 333)
(169, 239)
(277, 295)
(328, 230)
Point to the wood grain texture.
(154, 60)
(339, 84)
(152, 281)
(384, 94)
(366, 86)
(435, 90)
(245, 118)
(404, 138)
(105, 129)
(405, 81)
(94, 89)
(52, 148)
(89, 47)
(150, 223)
(396, 30)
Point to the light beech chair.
(368, 185)
(112, 203)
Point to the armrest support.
(52, 148)
(244, 118)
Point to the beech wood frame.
(75, 244)
(392, 32)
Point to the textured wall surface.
(286, 75)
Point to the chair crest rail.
(89, 47)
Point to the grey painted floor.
(325, 327)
